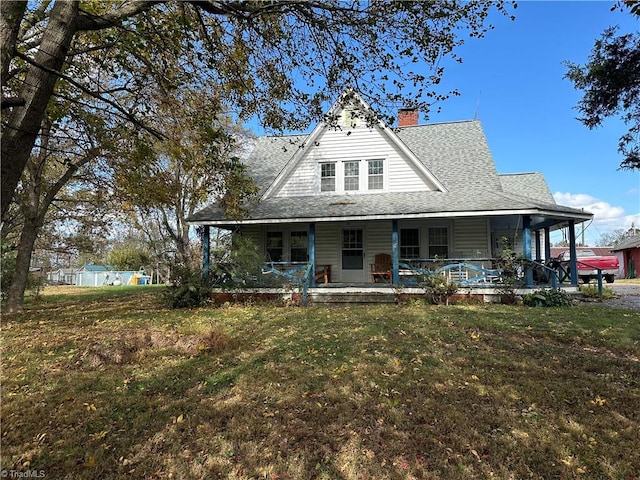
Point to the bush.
(187, 290)
(510, 264)
(438, 289)
(591, 291)
(547, 298)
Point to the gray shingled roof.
(631, 242)
(416, 204)
(269, 157)
(531, 185)
(456, 153)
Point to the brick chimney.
(408, 117)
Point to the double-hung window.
(438, 242)
(274, 246)
(328, 177)
(299, 247)
(409, 243)
(351, 175)
(376, 174)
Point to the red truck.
(589, 263)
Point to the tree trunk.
(11, 14)
(19, 135)
(15, 297)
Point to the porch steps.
(336, 298)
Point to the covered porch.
(322, 255)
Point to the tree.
(164, 181)
(277, 60)
(129, 255)
(611, 239)
(611, 84)
(65, 147)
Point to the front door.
(352, 255)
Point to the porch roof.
(429, 204)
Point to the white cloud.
(606, 217)
(604, 214)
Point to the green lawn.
(107, 383)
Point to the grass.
(109, 384)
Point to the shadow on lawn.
(320, 393)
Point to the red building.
(630, 251)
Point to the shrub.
(438, 289)
(187, 290)
(553, 297)
(591, 291)
(510, 264)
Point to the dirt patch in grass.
(126, 389)
(136, 343)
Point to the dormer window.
(376, 174)
(352, 176)
(328, 177)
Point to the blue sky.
(515, 77)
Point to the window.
(274, 246)
(351, 175)
(438, 242)
(344, 176)
(327, 177)
(299, 247)
(376, 175)
(409, 243)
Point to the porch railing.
(477, 272)
(466, 272)
(294, 273)
(598, 274)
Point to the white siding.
(377, 240)
(328, 248)
(470, 238)
(254, 232)
(361, 144)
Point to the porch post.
(206, 251)
(312, 253)
(547, 243)
(526, 249)
(538, 247)
(395, 254)
(573, 254)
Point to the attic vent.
(408, 117)
(350, 118)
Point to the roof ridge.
(520, 173)
(448, 122)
